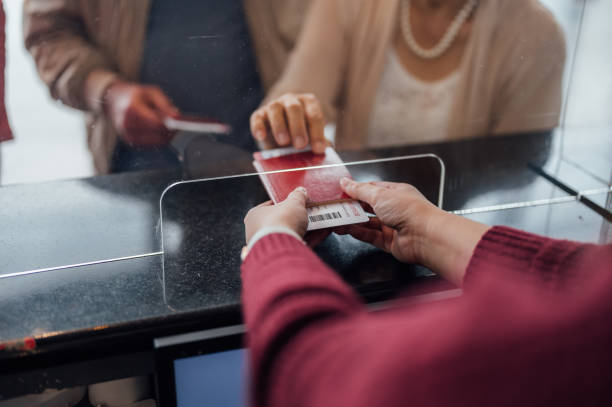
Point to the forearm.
(287, 289)
(552, 264)
(65, 59)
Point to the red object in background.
(5, 130)
(322, 184)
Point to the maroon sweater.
(533, 327)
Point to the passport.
(328, 206)
(322, 184)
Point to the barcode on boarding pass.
(325, 216)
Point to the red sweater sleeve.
(287, 288)
(504, 343)
(505, 253)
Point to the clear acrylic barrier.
(203, 231)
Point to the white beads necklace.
(448, 37)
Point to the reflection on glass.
(408, 72)
(132, 64)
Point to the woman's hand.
(402, 215)
(291, 214)
(413, 229)
(137, 113)
(292, 119)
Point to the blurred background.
(50, 140)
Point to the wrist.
(265, 231)
(431, 219)
(449, 245)
(96, 86)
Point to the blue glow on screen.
(217, 379)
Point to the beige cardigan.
(71, 39)
(510, 74)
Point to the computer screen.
(216, 379)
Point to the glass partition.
(203, 232)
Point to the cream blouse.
(408, 110)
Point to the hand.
(137, 113)
(413, 229)
(291, 213)
(402, 213)
(292, 119)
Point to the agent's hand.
(292, 119)
(137, 113)
(402, 213)
(291, 213)
(413, 229)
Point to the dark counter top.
(114, 305)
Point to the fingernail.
(283, 138)
(300, 142)
(302, 190)
(259, 135)
(345, 182)
(319, 146)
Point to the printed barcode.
(325, 216)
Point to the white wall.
(50, 141)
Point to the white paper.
(335, 214)
(196, 127)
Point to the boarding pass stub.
(335, 214)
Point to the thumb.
(161, 103)
(298, 197)
(362, 191)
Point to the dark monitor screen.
(217, 379)
(204, 368)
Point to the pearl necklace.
(447, 39)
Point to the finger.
(362, 191)
(144, 127)
(294, 112)
(389, 185)
(267, 203)
(258, 125)
(373, 223)
(367, 235)
(315, 121)
(315, 237)
(276, 119)
(161, 103)
(298, 197)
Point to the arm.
(312, 343)
(531, 93)
(74, 69)
(287, 290)
(461, 250)
(297, 106)
(81, 75)
(545, 263)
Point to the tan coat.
(510, 74)
(72, 39)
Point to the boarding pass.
(335, 214)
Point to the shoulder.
(526, 27)
(352, 13)
(528, 18)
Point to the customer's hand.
(291, 213)
(292, 119)
(137, 113)
(413, 229)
